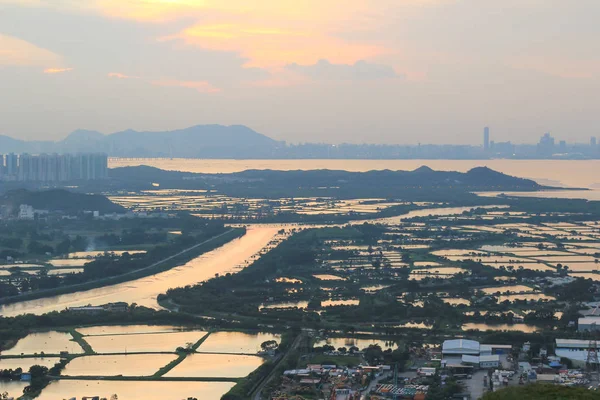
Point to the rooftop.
(589, 320)
(573, 343)
(458, 346)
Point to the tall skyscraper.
(53, 167)
(593, 141)
(11, 164)
(546, 145)
(486, 138)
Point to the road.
(373, 384)
(258, 391)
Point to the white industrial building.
(589, 323)
(573, 349)
(491, 361)
(470, 352)
(460, 347)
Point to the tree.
(269, 345)
(38, 371)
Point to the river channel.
(144, 291)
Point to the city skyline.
(238, 142)
(354, 71)
(489, 138)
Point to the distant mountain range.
(200, 141)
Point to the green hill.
(59, 200)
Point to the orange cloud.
(266, 32)
(57, 70)
(200, 86)
(268, 46)
(119, 75)
(14, 51)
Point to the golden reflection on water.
(145, 290)
(236, 342)
(47, 342)
(135, 390)
(216, 366)
(126, 365)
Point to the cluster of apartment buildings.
(53, 167)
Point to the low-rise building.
(589, 324)
(574, 349)
(26, 212)
(460, 347)
(426, 371)
(489, 361)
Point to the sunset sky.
(377, 71)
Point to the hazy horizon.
(355, 71)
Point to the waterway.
(144, 291)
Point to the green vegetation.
(344, 361)
(182, 353)
(79, 338)
(59, 200)
(543, 392)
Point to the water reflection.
(151, 342)
(145, 290)
(125, 365)
(500, 327)
(236, 342)
(135, 390)
(46, 342)
(215, 366)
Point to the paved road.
(475, 385)
(373, 384)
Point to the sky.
(333, 71)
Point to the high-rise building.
(54, 167)
(546, 145)
(593, 142)
(12, 163)
(562, 146)
(486, 138)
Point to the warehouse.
(491, 361)
(588, 324)
(458, 347)
(573, 349)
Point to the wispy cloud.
(360, 70)
(119, 75)
(270, 46)
(57, 70)
(15, 51)
(200, 86)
